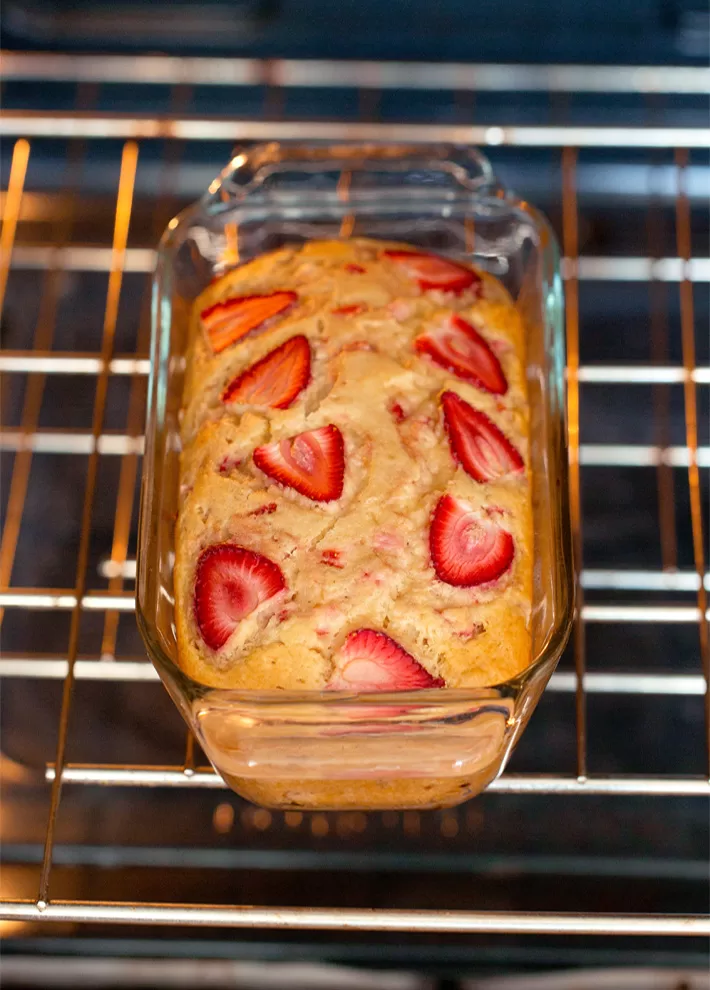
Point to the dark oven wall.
(628, 31)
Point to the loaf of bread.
(355, 507)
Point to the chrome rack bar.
(58, 441)
(353, 919)
(65, 599)
(357, 74)
(124, 203)
(33, 123)
(612, 579)
(39, 667)
(87, 363)
(204, 777)
(687, 325)
(53, 363)
(590, 269)
(570, 241)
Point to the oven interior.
(603, 811)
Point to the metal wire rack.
(610, 596)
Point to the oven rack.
(679, 270)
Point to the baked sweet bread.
(355, 507)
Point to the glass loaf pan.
(335, 750)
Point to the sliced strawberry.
(397, 412)
(371, 661)
(467, 550)
(332, 558)
(228, 463)
(230, 583)
(354, 269)
(352, 310)
(476, 442)
(358, 345)
(459, 347)
(433, 272)
(276, 379)
(227, 322)
(265, 510)
(313, 463)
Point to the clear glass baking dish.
(423, 749)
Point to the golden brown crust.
(363, 365)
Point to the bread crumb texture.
(381, 507)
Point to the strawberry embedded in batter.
(312, 463)
(265, 510)
(495, 510)
(398, 413)
(431, 271)
(387, 542)
(477, 629)
(352, 310)
(358, 345)
(276, 380)
(401, 309)
(484, 452)
(354, 269)
(332, 558)
(460, 348)
(227, 322)
(371, 661)
(230, 582)
(228, 464)
(467, 550)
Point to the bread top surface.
(364, 559)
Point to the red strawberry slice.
(352, 310)
(227, 322)
(229, 584)
(467, 550)
(459, 347)
(332, 558)
(276, 380)
(313, 463)
(434, 272)
(371, 661)
(397, 412)
(484, 452)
